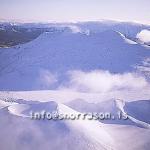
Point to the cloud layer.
(46, 79)
(104, 81)
(104, 84)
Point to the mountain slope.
(62, 52)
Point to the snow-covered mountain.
(60, 52)
(76, 68)
(19, 33)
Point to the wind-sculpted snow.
(86, 134)
(120, 105)
(53, 134)
(137, 112)
(25, 109)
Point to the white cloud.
(46, 79)
(144, 36)
(95, 85)
(104, 81)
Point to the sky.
(75, 10)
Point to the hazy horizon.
(74, 10)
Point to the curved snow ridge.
(18, 110)
(92, 128)
(120, 105)
(4, 104)
(25, 110)
(126, 39)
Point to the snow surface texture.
(77, 68)
(85, 134)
